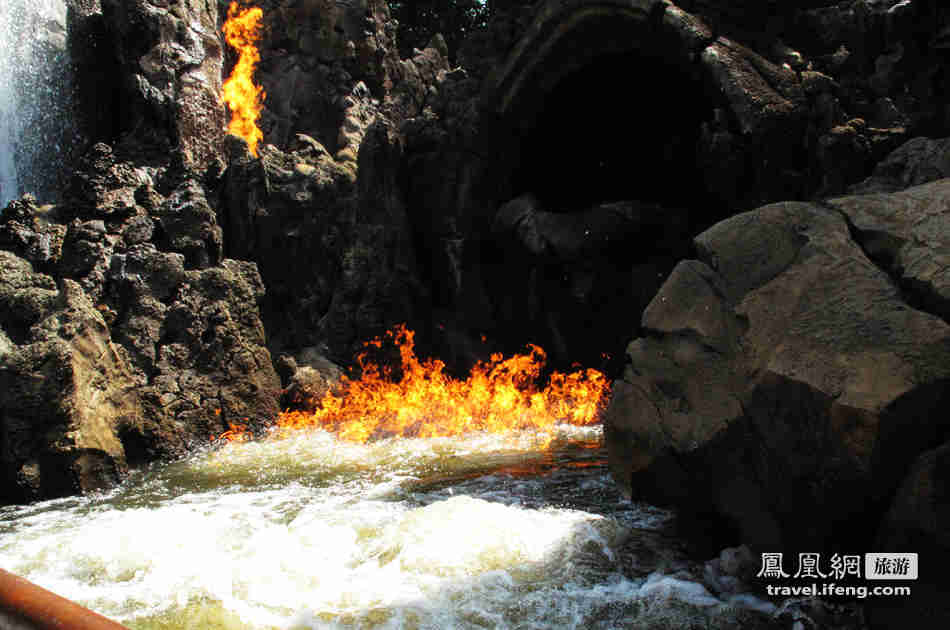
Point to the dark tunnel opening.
(590, 142)
(593, 141)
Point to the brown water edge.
(560, 456)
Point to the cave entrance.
(626, 126)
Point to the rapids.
(477, 531)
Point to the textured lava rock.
(170, 60)
(67, 392)
(131, 338)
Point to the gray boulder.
(917, 161)
(906, 234)
(782, 383)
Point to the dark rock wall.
(703, 113)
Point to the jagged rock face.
(131, 339)
(784, 374)
(313, 54)
(67, 392)
(170, 60)
(335, 255)
(744, 119)
(322, 212)
(749, 108)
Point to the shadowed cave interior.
(593, 140)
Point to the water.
(310, 532)
(36, 117)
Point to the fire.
(244, 99)
(499, 395)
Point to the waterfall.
(36, 115)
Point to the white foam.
(660, 586)
(314, 533)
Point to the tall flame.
(500, 395)
(245, 100)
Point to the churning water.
(36, 117)
(482, 531)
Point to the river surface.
(479, 531)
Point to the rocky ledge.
(791, 382)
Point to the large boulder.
(917, 161)
(906, 233)
(918, 521)
(783, 375)
(66, 392)
(126, 336)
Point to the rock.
(135, 258)
(312, 375)
(277, 208)
(814, 613)
(313, 56)
(186, 223)
(571, 236)
(196, 344)
(420, 75)
(774, 379)
(918, 521)
(908, 235)
(844, 154)
(104, 187)
(170, 61)
(917, 161)
(379, 282)
(27, 231)
(66, 392)
(817, 83)
(763, 96)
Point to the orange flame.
(244, 99)
(500, 395)
(236, 433)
